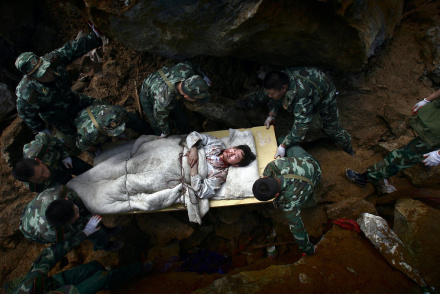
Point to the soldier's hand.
(419, 105)
(67, 162)
(270, 120)
(163, 136)
(432, 158)
(92, 225)
(281, 151)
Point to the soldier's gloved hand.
(163, 136)
(92, 225)
(270, 120)
(67, 162)
(432, 158)
(45, 131)
(208, 81)
(419, 105)
(281, 151)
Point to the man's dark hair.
(24, 169)
(266, 188)
(275, 80)
(60, 212)
(248, 155)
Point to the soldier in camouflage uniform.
(44, 94)
(302, 91)
(291, 181)
(97, 123)
(420, 149)
(35, 227)
(162, 92)
(87, 278)
(54, 163)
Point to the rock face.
(336, 34)
(414, 223)
(7, 103)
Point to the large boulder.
(416, 223)
(336, 34)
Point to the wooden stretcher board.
(266, 145)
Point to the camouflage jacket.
(161, 96)
(50, 150)
(310, 90)
(294, 192)
(217, 169)
(87, 134)
(33, 223)
(55, 102)
(37, 280)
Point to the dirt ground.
(395, 76)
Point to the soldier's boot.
(349, 150)
(358, 178)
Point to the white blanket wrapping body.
(143, 175)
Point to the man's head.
(32, 65)
(195, 87)
(276, 84)
(111, 119)
(240, 155)
(31, 170)
(62, 212)
(266, 188)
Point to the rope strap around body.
(181, 180)
(95, 123)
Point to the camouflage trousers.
(92, 277)
(177, 115)
(329, 115)
(398, 160)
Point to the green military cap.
(111, 119)
(32, 65)
(196, 88)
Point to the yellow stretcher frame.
(266, 145)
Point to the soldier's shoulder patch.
(33, 97)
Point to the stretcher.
(266, 145)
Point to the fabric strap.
(167, 81)
(95, 123)
(276, 171)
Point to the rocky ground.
(374, 105)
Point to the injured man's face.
(232, 156)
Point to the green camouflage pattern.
(32, 65)
(110, 118)
(197, 88)
(158, 100)
(44, 263)
(55, 102)
(33, 223)
(294, 193)
(50, 150)
(398, 160)
(303, 99)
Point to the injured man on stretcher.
(150, 174)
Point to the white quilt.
(145, 175)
